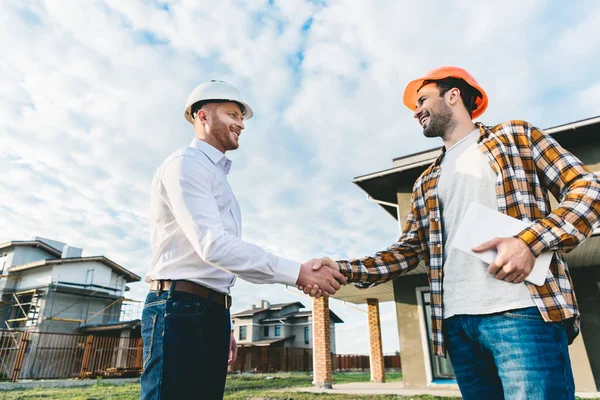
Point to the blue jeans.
(510, 355)
(186, 347)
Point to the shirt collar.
(213, 154)
(483, 133)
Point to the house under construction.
(47, 286)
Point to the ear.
(453, 96)
(202, 115)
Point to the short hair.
(199, 104)
(468, 93)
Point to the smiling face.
(432, 112)
(224, 124)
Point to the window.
(242, 333)
(266, 331)
(306, 341)
(277, 330)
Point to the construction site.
(68, 310)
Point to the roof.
(272, 307)
(129, 276)
(110, 326)
(279, 306)
(301, 314)
(266, 342)
(386, 184)
(249, 313)
(32, 243)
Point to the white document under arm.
(481, 224)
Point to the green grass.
(258, 386)
(239, 387)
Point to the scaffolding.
(26, 311)
(24, 306)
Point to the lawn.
(247, 386)
(255, 386)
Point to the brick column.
(376, 348)
(321, 344)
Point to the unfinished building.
(47, 286)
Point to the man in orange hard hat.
(506, 337)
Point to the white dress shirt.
(196, 226)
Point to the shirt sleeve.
(188, 187)
(575, 187)
(396, 260)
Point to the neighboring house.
(278, 325)
(47, 286)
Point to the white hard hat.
(215, 90)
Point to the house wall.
(78, 273)
(70, 306)
(7, 261)
(24, 255)
(256, 326)
(298, 331)
(411, 333)
(36, 277)
(332, 335)
(293, 308)
(251, 331)
(6, 257)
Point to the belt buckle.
(227, 301)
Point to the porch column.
(376, 347)
(322, 367)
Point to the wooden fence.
(38, 355)
(265, 359)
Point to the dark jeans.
(186, 347)
(512, 355)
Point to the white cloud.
(91, 98)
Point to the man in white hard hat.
(198, 252)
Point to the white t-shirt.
(466, 176)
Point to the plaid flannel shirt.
(529, 164)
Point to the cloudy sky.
(91, 99)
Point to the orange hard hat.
(411, 91)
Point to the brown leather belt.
(192, 288)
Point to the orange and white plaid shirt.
(529, 164)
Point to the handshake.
(320, 278)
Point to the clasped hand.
(316, 281)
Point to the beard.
(441, 121)
(221, 132)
